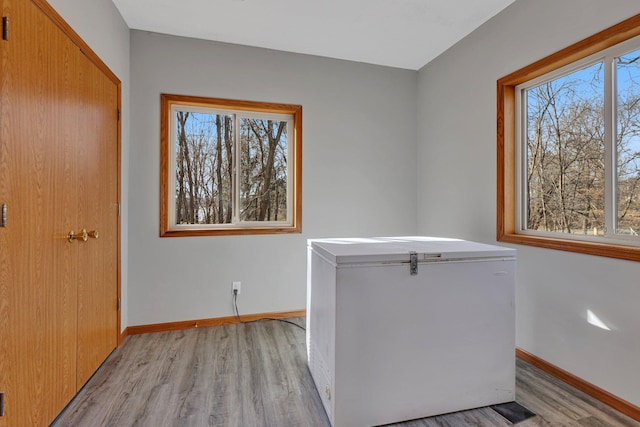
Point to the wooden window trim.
(296, 179)
(506, 230)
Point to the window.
(229, 167)
(569, 148)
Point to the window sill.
(230, 231)
(610, 250)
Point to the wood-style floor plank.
(255, 374)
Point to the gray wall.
(359, 170)
(457, 192)
(100, 25)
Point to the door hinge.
(118, 114)
(413, 263)
(119, 210)
(118, 304)
(1, 404)
(5, 28)
(3, 220)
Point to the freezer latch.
(413, 263)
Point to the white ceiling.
(396, 33)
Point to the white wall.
(100, 25)
(359, 169)
(457, 196)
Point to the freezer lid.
(397, 249)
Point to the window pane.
(565, 153)
(263, 164)
(628, 144)
(204, 167)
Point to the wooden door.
(59, 172)
(38, 295)
(98, 211)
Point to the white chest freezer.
(400, 328)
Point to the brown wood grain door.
(58, 172)
(98, 210)
(38, 293)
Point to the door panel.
(97, 285)
(37, 282)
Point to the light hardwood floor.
(248, 375)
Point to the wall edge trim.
(592, 390)
(202, 323)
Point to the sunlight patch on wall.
(595, 321)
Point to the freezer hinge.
(3, 221)
(413, 263)
(5, 28)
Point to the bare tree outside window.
(628, 144)
(263, 193)
(204, 167)
(565, 158)
(565, 153)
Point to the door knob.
(83, 235)
(93, 234)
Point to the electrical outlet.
(235, 287)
